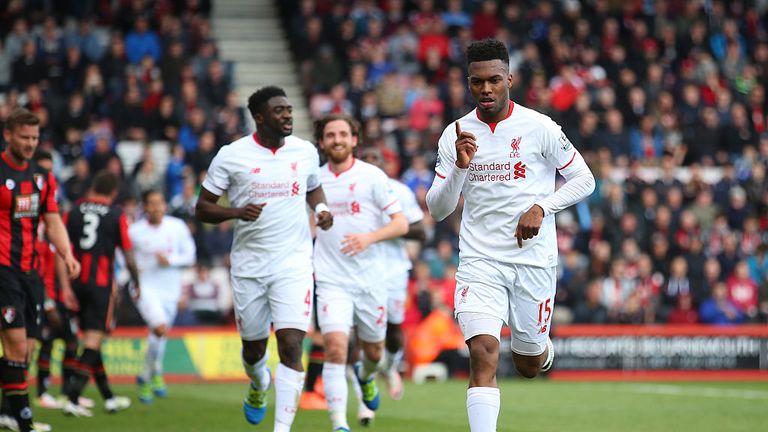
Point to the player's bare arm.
(133, 270)
(353, 244)
(529, 224)
(62, 276)
(416, 231)
(316, 201)
(57, 233)
(466, 147)
(208, 210)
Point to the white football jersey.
(394, 250)
(514, 167)
(358, 198)
(251, 173)
(170, 238)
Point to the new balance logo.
(519, 170)
(255, 170)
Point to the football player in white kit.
(349, 264)
(504, 158)
(398, 265)
(269, 177)
(163, 247)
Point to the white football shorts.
(397, 290)
(284, 300)
(157, 310)
(338, 310)
(490, 293)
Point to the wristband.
(321, 207)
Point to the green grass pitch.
(535, 406)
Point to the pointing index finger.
(458, 128)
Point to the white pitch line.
(712, 392)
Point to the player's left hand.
(135, 292)
(325, 220)
(529, 224)
(163, 260)
(353, 244)
(73, 267)
(69, 299)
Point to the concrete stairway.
(249, 33)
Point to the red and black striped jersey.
(27, 192)
(96, 228)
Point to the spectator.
(591, 309)
(142, 41)
(28, 69)
(742, 290)
(719, 310)
(78, 184)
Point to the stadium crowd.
(665, 100)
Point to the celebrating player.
(28, 193)
(349, 264)
(503, 157)
(270, 177)
(163, 246)
(97, 228)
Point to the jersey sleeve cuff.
(208, 185)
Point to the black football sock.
(14, 378)
(100, 375)
(315, 367)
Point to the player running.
(269, 177)
(504, 158)
(349, 264)
(163, 246)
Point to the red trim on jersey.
(439, 175)
(51, 206)
(6, 236)
(389, 205)
(569, 162)
(85, 267)
(10, 163)
(98, 200)
(125, 239)
(27, 234)
(342, 171)
(492, 125)
(102, 272)
(256, 140)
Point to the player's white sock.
(149, 358)
(369, 368)
(159, 355)
(392, 360)
(483, 408)
(335, 385)
(258, 373)
(356, 387)
(288, 385)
